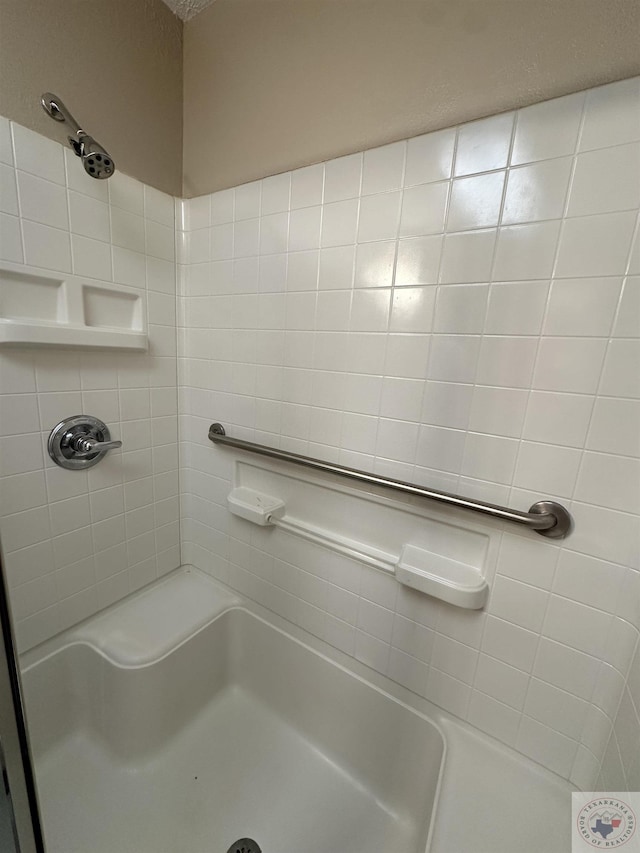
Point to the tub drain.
(244, 845)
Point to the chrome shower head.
(97, 162)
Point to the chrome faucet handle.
(80, 442)
(86, 446)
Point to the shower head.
(97, 162)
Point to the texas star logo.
(606, 823)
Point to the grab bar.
(547, 518)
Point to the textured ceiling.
(186, 9)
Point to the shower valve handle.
(80, 442)
(86, 446)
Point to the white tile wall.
(69, 549)
(460, 310)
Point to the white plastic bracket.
(254, 506)
(449, 580)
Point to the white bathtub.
(183, 719)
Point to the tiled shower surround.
(461, 310)
(76, 541)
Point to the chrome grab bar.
(547, 518)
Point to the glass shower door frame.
(14, 753)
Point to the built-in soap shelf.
(450, 580)
(42, 308)
(434, 557)
(254, 506)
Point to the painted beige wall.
(275, 84)
(117, 64)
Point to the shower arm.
(57, 110)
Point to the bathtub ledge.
(149, 625)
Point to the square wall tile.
(611, 115)
(489, 457)
(401, 398)
(247, 201)
(506, 361)
(566, 668)
(546, 468)
(537, 191)
(498, 411)
(370, 310)
(557, 418)
(447, 404)
(454, 358)
(304, 229)
(583, 628)
(621, 374)
(306, 186)
(342, 178)
(8, 191)
(528, 560)
(556, 708)
(461, 309)
(475, 202)
(582, 306)
(440, 448)
(10, 239)
(125, 193)
(379, 217)
(467, 256)
(493, 717)
(430, 157)
(90, 217)
(589, 581)
(484, 145)
(423, 209)
(569, 364)
(46, 247)
(406, 356)
(383, 168)
(375, 264)
(526, 251)
(547, 130)
(198, 212)
(418, 260)
(510, 643)
(222, 207)
(411, 309)
(516, 308)
(336, 269)
(339, 223)
(628, 320)
(38, 155)
(502, 682)
(42, 201)
(6, 144)
(606, 181)
(275, 194)
(274, 230)
(92, 258)
(611, 481)
(615, 427)
(595, 245)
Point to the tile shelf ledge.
(45, 308)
